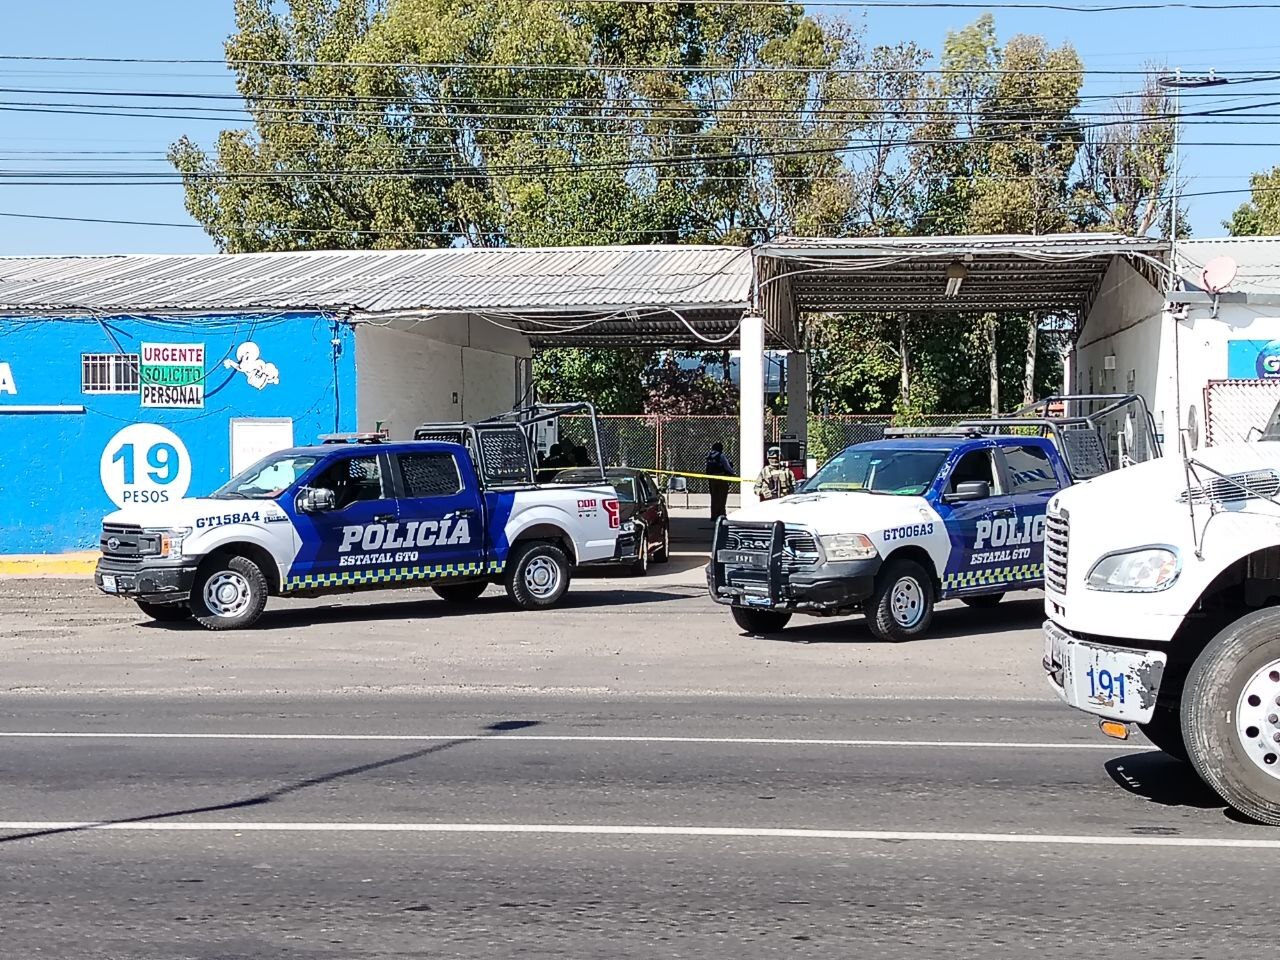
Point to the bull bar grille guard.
(774, 532)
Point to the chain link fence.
(682, 443)
(1234, 410)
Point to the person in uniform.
(718, 465)
(776, 479)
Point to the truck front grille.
(799, 546)
(1056, 532)
(126, 543)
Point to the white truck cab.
(1161, 591)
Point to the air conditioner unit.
(1109, 362)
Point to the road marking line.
(633, 830)
(569, 738)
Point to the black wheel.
(538, 575)
(1231, 715)
(460, 592)
(229, 594)
(983, 601)
(165, 612)
(640, 566)
(664, 552)
(902, 606)
(1165, 730)
(760, 621)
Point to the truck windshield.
(879, 468)
(266, 479)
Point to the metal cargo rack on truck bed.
(1087, 441)
(503, 447)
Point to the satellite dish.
(1218, 274)
(1193, 428)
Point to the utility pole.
(1177, 82)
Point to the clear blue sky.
(1194, 40)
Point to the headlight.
(170, 541)
(1144, 570)
(848, 546)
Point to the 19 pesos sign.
(172, 375)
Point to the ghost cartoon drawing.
(249, 361)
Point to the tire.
(984, 601)
(641, 565)
(760, 622)
(1228, 705)
(165, 612)
(664, 552)
(230, 594)
(538, 574)
(901, 608)
(1165, 731)
(465, 592)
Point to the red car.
(644, 516)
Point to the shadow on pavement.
(950, 623)
(427, 606)
(1161, 779)
(270, 796)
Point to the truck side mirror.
(315, 500)
(969, 490)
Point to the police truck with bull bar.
(889, 528)
(456, 510)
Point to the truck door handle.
(467, 513)
(384, 517)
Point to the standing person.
(718, 465)
(776, 479)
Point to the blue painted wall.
(52, 497)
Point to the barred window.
(109, 373)
(429, 474)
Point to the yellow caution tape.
(696, 476)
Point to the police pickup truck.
(358, 512)
(891, 527)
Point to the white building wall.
(1129, 322)
(442, 369)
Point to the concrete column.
(798, 396)
(751, 403)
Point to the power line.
(577, 67)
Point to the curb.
(50, 565)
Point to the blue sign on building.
(1253, 359)
(97, 412)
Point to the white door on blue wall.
(253, 438)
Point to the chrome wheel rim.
(906, 601)
(542, 577)
(227, 594)
(1258, 719)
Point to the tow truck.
(891, 527)
(1162, 597)
(456, 510)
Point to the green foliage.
(673, 390)
(1260, 216)
(351, 147)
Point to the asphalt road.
(544, 826)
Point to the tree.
(676, 390)
(1126, 166)
(1259, 216)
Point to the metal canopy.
(1051, 274)
(569, 296)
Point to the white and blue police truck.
(358, 512)
(891, 527)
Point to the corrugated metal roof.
(1010, 272)
(1027, 245)
(569, 279)
(1257, 262)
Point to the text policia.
(389, 536)
(1006, 532)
